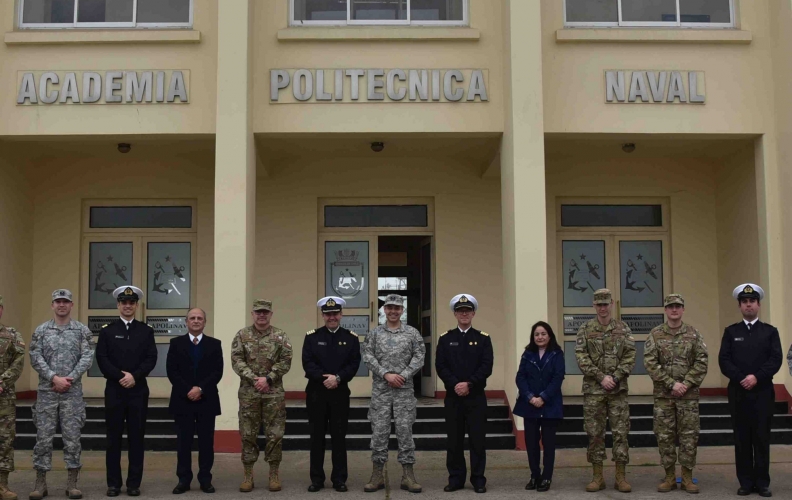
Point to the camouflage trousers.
(401, 403)
(677, 419)
(599, 408)
(7, 433)
(51, 407)
(272, 413)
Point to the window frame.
(376, 22)
(652, 24)
(78, 25)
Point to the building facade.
(524, 152)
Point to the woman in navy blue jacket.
(539, 402)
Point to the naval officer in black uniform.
(126, 354)
(464, 362)
(330, 357)
(750, 355)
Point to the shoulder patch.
(309, 332)
(485, 334)
(353, 333)
(105, 325)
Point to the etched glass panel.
(584, 271)
(347, 272)
(641, 264)
(169, 275)
(110, 266)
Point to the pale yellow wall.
(485, 53)
(61, 176)
(16, 221)
(467, 239)
(199, 58)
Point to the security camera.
(123, 147)
(377, 146)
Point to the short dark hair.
(552, 345)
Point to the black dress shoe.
(544, 485)
(744, 492)
(181, 488)
(449, 488)
(341, 487)
(133, 492)
(531, 484)
(764, 492)
(113, 492)
(315, 487)
(480, 489)
(208, 488)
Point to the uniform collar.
(70, 324)
(333, 331)
(465, 331)
(125, 321)
(265, 332)
(192, 337)
(682, 328)
(752, 323)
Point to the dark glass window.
(376, 216)
(611, 216)
(141, 217)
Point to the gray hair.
(196, 308)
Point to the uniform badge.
(330, 303)
(463, 299)
(748, 289)
(322, 343)
(739, 339)
(453, 343)
(471, 343)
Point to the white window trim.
(400, 22)
(77, 25)
(648, 24)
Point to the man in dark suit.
(331, 357)
(126, 354)
(750, 355)
(195, 367)
(464, 362)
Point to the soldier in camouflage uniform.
(605, 353)
(393, 352)
(12, 358)
(261, 355)
(61, 351)
(676, 358)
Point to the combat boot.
(621, 483)
(274, 479)
(408, 481)
(5, 492)
(669, 483)
(71, 486)
(687, 481)
(597, 482)
(247, 483)
(377, 481)
(40, 490)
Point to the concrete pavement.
(507, 473)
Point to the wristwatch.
(615, 379)
(269, 380)
(338, 379)
(200, 390)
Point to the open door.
(427, 317)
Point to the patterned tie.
(195, 340)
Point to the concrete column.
(235, 199)
(522, 184)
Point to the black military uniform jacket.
(132, 351)
(333, 353)
(464, 357)
(756, 352)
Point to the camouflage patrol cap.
(603, 296)
(674, 298)
(262, 305)
(394, 300)
(61, 294)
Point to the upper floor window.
(659, 13)
(398, 12)
(105, 13)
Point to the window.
(402, 12)
(611, 215)
(147, 217)
(669, 13)
(376, 216)
(105, 13)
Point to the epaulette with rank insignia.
(444, 333)
(310, 332)
(353, 333)
(485, 334)
(105, 325)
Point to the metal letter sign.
(682, 87)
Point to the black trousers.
(544, 430)
(752, 416)
(466, 414)
(328, 410)
(130, 407)
(186, 426)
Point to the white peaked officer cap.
(748, 290)
(464, 300)
(331, 304)
(127, 292)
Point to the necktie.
(195, 341)
(127, 325)
(749, 326)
